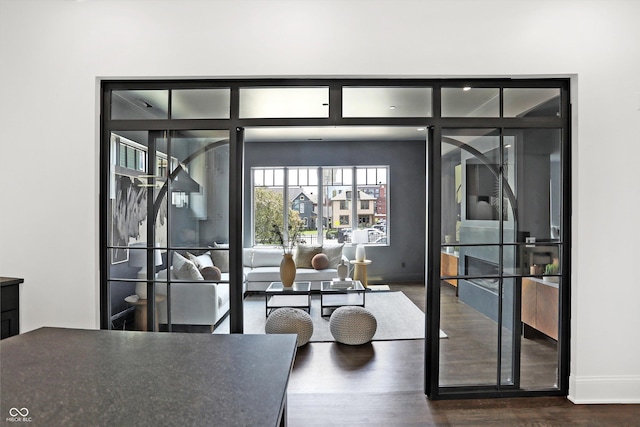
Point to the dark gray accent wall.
(404, 259)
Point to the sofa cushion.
(266, 257)
(304, 254)
(201, 261)
(183, 269)
(320, 261)
(264, 274)
(220, 258)
(334, 253)
(247, 257)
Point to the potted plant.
(551, 270)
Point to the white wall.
(54, 51)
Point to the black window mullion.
(434, 227)
(150, 251)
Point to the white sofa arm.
(192, 303)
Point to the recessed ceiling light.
(466, 88)
(392, 107)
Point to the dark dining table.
(76, 377)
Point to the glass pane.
(139, 104)
(303, 213)
(470, 102)
(535, 180)
(386, 102)
(538, 260)
(121, 313)
(198, 196)
(267, 206)
(470, 186)
(284, 102)
(470, 353)
(201, 103)
(539, 345)
(372, 204)
(533, 185)
(531, 102)
(509, 331)
(336, 187)
(130, 186)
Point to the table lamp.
(360, 237)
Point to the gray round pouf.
(352, 325)
(290, 321)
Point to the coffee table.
(332, 297)
(297, 296)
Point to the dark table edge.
(10, 281)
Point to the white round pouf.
(290, 321)
(352, 325)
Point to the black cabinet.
(10, 304)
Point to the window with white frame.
(321, 203)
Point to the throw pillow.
(320, 261)
(334, 253)
(178, 260)
(204, 260)
(194, 259)
(266, 257)
(211, 273)
(183, 269)
(304, 254)
(220, 258)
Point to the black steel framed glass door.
(500, 256)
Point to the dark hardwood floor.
(381, 384)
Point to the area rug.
(398, 318)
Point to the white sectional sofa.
(194, 300)
(262, 265)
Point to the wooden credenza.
(449, 267)
(10, 301)
(540, 305)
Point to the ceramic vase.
(360, 253)
(343, 270)
(287, 270)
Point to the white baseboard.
(610, 389)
